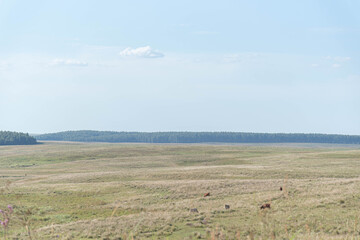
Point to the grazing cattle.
(280, 188)
(207, 194)
(227, 206)
(265, 205)
(194, 210)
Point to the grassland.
(125, 191)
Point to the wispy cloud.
(4, 65)
(337, 61)
(338, 58)
(242, 57)
(328, 30)
(315, 65)
(141, 52)
(206, 33)
(68, 62)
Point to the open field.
(125, 191)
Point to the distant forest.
(16, 138)
(198, 137)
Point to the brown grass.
(125, 191)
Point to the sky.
(250, 66)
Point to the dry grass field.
(139, 191)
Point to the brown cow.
(194, 210)
(265, 205)
(207, 194)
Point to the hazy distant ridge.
(198, 137)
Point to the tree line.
(16, 138)
(198, 137)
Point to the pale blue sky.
(252, 66)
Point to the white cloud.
(315, 65)
(69, 62)
(336, 65)
(141, 52)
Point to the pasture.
(140, 191)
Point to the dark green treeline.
(198, 137)
(16, 138)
